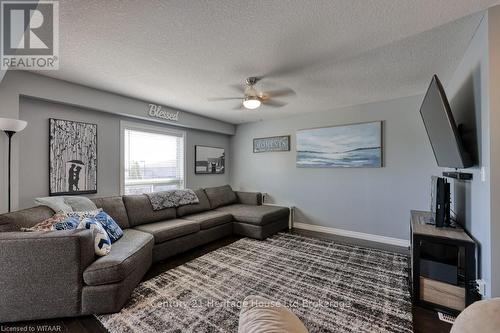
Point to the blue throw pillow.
(112, 228)
(102, 243)
(69, 223)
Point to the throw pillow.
(46, 225)
(84, 214)
(79, 204)
(112, 228)
(68, 223)
(57, 204)
(102, 243)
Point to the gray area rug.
(331, 287)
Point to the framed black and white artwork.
(72, 157)
(209, 160)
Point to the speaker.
(442, 203)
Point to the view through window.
(153, 160)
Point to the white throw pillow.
(79, 204)
(66, 204)
(102, 243)
(57, 204)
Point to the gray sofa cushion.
(24, 218)
(220, 196)
(166, 230)
(126, 255)
(115, 208)
(258, 215)
(210, 219)
(249, 198)
(110, 298)
(202, 206)
(140, 211)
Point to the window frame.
(127, 125)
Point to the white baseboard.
(354, 234)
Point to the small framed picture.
(209, 160)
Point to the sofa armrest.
(249, 198)
(42, 273)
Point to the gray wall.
(494, 95)
(22, 83)
(33, 149)
(375, 201)
(469, 99)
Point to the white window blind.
(152, 160)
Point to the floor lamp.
(11, 127)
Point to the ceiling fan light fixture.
(251, 102)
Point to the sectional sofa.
(56, 274)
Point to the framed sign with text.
(271, 144)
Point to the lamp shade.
(13, 125)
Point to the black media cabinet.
(443, 266)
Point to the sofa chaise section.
(250, 217)
(257, 222)
(255, 215)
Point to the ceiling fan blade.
(213, 99)
(274, 103)
(239, 107)
(280, 93)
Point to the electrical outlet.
(483, 174)
(481, 287)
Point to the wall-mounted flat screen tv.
(441, 128)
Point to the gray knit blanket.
(172, 198)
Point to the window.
(153, 159)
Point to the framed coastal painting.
(345, 146)
(72, 157)
(271, 144)
(209, 160)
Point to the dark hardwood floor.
(427, 321)
(424, 321)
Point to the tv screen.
(441, 128)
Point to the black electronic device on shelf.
(442, 203)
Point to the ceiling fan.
(253, 98)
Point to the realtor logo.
(30, 35)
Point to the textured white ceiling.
(332, 53)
